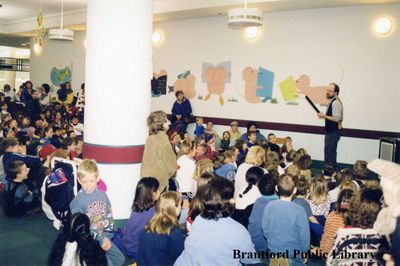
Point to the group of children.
(236, 198)
(29, 139)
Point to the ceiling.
(18, 17)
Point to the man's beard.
(329, 97)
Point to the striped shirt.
(333, 223)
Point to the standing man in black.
(333, 123)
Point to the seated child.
(96, 205)
(185, 169)
(329, 173)
(225, 165)
(285, 224)
(304, 163)
(251, 139)
(19, 200)
(272, 144)
(245, 200)
(225, 142)
(143, 209)
(266, 185)
(242, 149)
(199, 131)
(162, 241)
(361, 172)
(196, 205)
(318, 198)
(48, 134)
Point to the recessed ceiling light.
(383, 25)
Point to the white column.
(118, 74)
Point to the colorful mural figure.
(186, 83)
(317, 94)
(216, 76)
(289, 90)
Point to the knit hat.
(46, 151)
(388, 171)
(234, 123)
(390, 182)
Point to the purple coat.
(133, 228)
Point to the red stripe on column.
(113, 154)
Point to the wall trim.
(347, 132)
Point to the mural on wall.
(317, 94)
(59, 74)
(186, 83)
(250, 77)
(265, 84)
(216, 76)
(159, 83)
(289, 90)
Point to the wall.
(59, 52)
(330, 45)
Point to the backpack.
(59, 193)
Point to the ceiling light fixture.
(61, 33)
(156, 37)
(252, 32)
(383, 25)
(245, 17)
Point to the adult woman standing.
(159, 160)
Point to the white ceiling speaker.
(61, 33)
(245, 17)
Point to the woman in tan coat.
(159, 160)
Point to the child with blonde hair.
(96, 205)
(318, 198)
(255, 157)
(202, 166)
(186, 168)
(162, 241)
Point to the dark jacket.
(160, 249)
(184, 109)
(33, 109)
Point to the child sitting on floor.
(19, 200)
(162, 241)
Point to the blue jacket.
(226, 171)
(32, 162)
(212, 242)
(199, 131)
(184, 109)
(255, 219)
(25, 96)
(160, 249)
(285, 225)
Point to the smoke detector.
(61, 33)
(245, 17)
